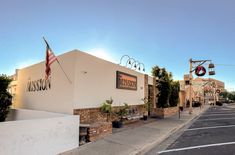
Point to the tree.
(231, 96)
(168, 95)
(174, 96)
(224, 94)
(164, 79)
(228, 95)
(5, 97)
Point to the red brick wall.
(98, 124)
(93, 115)
(170, 111)
(164, 112)
(90, 115)
(99, 130)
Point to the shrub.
(106, 108)
(123, 111)
(168, 88)
(174, 96)
(147, 106)
(5, 97)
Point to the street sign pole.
(198, 63)
(190, 86)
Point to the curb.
(148, 147)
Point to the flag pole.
(63, 71)
(58, 62)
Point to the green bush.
(164, 79)
(106, 108)
(174, 96)
(163, 96)
(123, 111)
(168, 95)
(147, 105)
(5, 97)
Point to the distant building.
(203, 89)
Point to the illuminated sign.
(126, 81)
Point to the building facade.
(203, 89)
(93, 81)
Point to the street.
(212, 133)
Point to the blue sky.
(156, 32)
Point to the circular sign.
(218, 91)
(200, 71)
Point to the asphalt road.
(213, 133)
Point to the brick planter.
(164, 112)
(93, 115)
(97, 121)
(99, 130)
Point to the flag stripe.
(50, 58)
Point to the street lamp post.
(192, 68)
(131, 62)
(190, 86)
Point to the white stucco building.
(93, 80)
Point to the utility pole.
(192, 68)
(203, 87)
(215, 93)
(190, 86)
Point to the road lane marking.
(220, 112)
(217, 114)
(212, 127)
(214, 119)
(196, 147)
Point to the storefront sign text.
(126, 81)
(39, 85)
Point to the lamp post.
(123, 57)
(190, 86)
(131, 62)
(194, 65)
(211, 86)
(214, 92)
(139, 64)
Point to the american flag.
(50, 58)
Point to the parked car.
(219, 103)
(196, 104)
(211, 102)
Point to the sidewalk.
(138, 138)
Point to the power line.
(229, 65)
